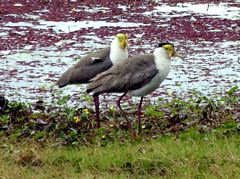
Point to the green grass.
(198, 137)
(190, 155)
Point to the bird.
(138, 76)
(95, 63)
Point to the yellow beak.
(175, 54)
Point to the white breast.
(163, 65)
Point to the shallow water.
(36, 48)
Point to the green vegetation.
(196, 137)
(190, 155)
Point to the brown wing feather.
(87, 68)
(129, 75)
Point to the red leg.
(118, 102)
(139, 115)
(96, 103)
(121, 110)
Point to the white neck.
(162, 60)
(117, 54)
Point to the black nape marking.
(164, 43)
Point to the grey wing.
(99, 56)
(87, 68)
(131, 75)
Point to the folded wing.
(87, 68)
(129, 75)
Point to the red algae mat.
(39, 40)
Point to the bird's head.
(123, 40)
(170, 49)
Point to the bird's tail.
(99, 84)
(64, 79)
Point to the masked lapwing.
(95, 63)
(137, 76)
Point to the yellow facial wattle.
(123, 40)
(171, 52)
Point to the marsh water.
(39, 41)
